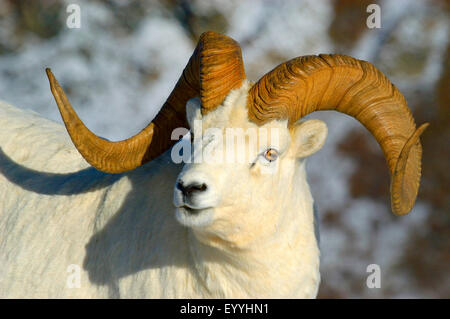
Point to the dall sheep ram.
(189, 230)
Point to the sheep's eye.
(271, 154)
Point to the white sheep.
(194, 230)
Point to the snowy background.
(121, 65)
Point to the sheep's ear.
(308, 137)
(193, 110)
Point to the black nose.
(192, 188)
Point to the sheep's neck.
(284, 265)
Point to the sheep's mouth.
(192, 211)
(192, 217)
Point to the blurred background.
(121, 64)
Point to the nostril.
(195, 187)
(201, 187)
(180, 187)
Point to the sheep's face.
(240, 179)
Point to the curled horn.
(213, 70)
(356, 88)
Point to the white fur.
(258, 239)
